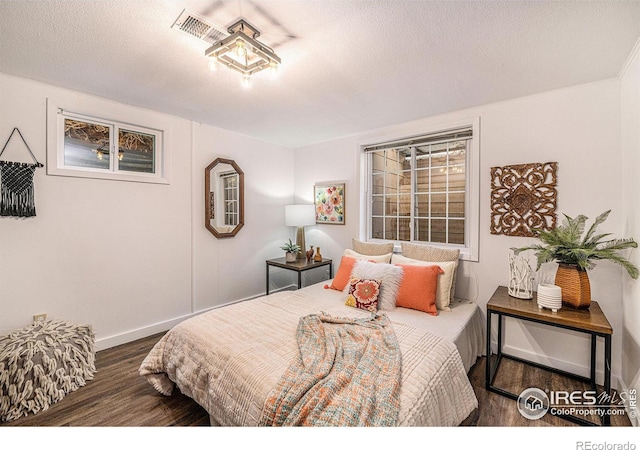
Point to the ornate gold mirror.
(224, 198)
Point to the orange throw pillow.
(418, 288)
(341, 279)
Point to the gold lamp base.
(300, 242)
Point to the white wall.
(579, 128)
(329, 162)
(132, 259)
(630, 97)
(234, 268)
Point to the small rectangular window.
(93, 147)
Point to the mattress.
(229, 359)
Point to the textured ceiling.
(348, 66)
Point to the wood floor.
(497, 410)
(119, 397)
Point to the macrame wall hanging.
(16, 184)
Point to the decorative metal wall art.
(16, 184)
(523, 198)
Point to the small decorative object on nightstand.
(291, 251)
(520, 277)
(318, 256)
(310, 254)
(549, 296)
(575, 254)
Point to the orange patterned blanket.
(347, 373)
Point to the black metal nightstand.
(591, 321)
(298, 266)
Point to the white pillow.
(377, 258)
(389, 275)
(445, 280)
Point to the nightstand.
(298, 266)
(591, 321)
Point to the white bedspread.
(229, 359)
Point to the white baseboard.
(103, 343)
(559, 364)
(139, 333)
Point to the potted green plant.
(575, 254)
(291, 251)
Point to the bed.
(230, 359)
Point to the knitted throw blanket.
(347, 373)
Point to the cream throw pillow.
(389, 275)
(444, 280)
(386, 258)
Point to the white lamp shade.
(300, 215)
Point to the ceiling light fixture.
(242, 52)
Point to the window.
(93, 147)
(418, 190)
(230, 188)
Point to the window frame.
(470, 250)
(56, 166)
(231, 209)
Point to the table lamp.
(300, 216)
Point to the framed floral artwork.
(330, 203)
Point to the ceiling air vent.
(197, 26)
